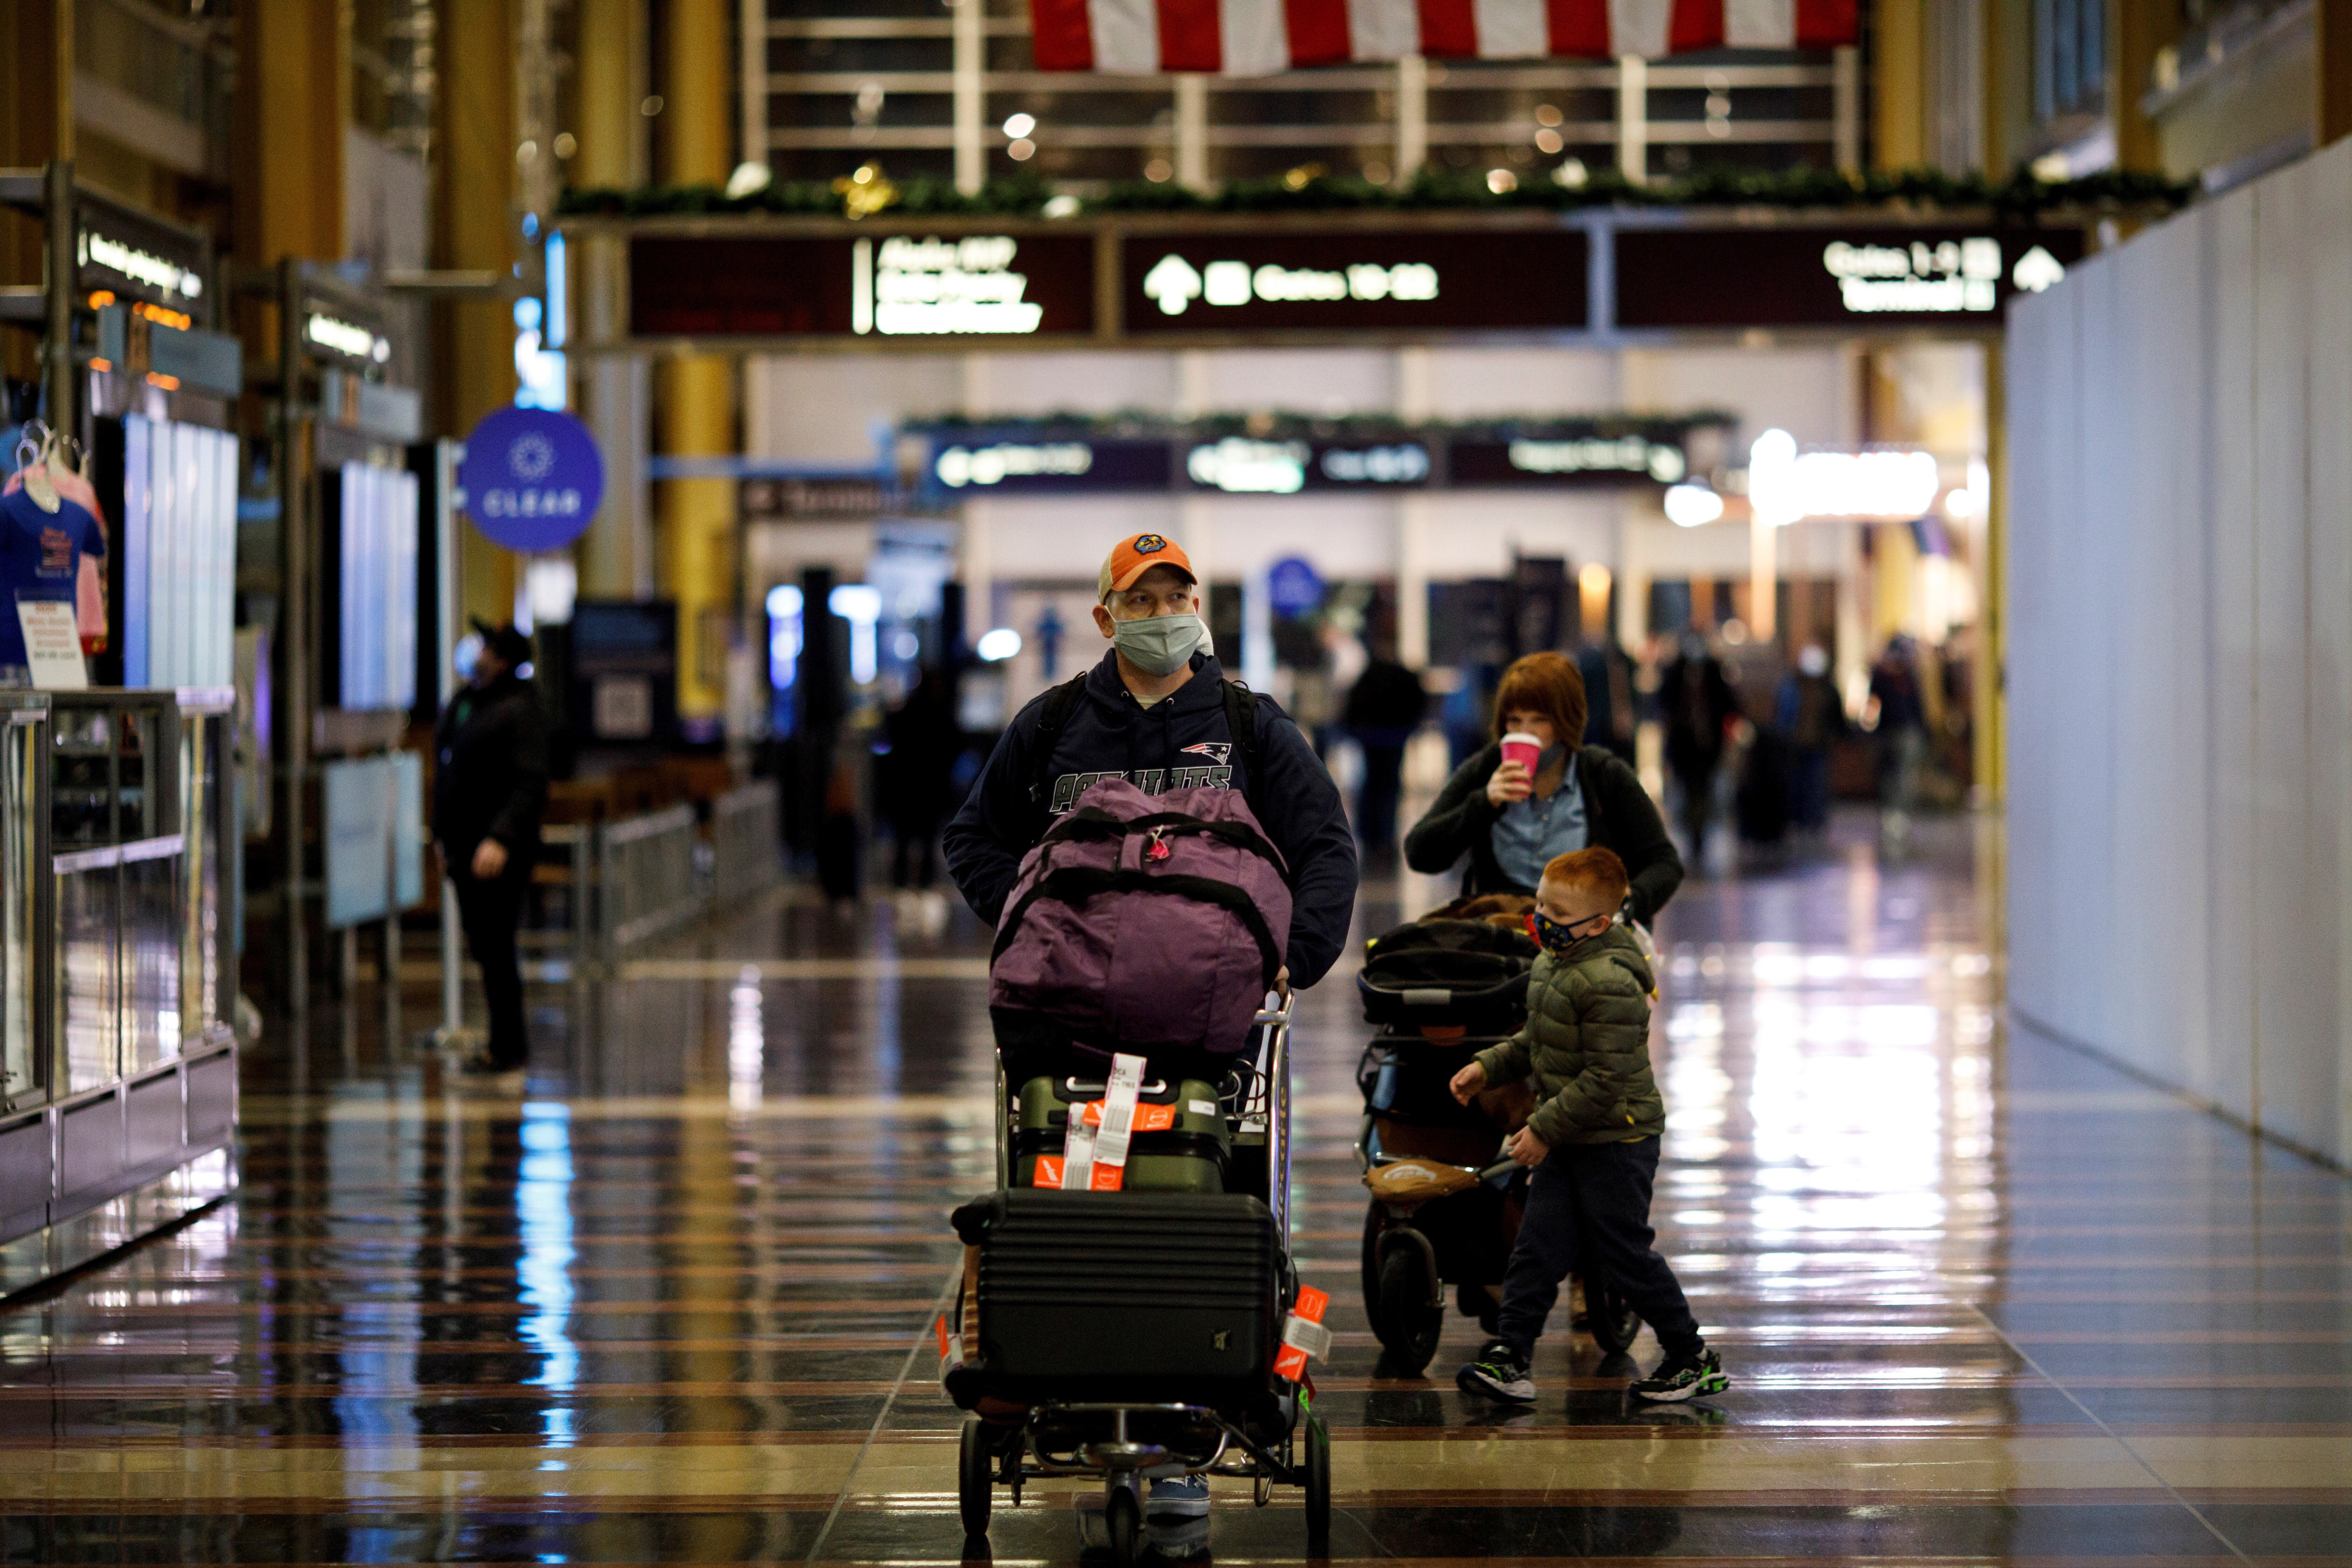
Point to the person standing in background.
(1699, 703)
(489, 792)
(1609, 718)
(1812, 714)
(924, 745)
(1385, 706)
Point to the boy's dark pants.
(1590, 1204)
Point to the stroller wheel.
(1613, 1324)
(974, 1483)
(1409, 1316)
(1124, 1520)
(1318, 1489)
(1375, 1222)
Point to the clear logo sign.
(532, 478)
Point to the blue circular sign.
(532, 478)
(1292, 586)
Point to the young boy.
(1592, 1141)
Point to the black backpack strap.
(1241, 721)
(1052, 719)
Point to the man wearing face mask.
(1159, 712)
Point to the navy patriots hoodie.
(1179, 741)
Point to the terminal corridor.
(1982, 1298)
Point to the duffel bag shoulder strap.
(1241, 721)
(1052, 719)
(1076, 884)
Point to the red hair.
(1595, 871)
(1549, 684)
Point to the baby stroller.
(1154, 1330)
(1446, 1204)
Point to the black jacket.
(1179, 741)
(1618, 815)
(489, 778)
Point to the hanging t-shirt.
(89, 591)
(41, 554)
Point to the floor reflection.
(1983, 1298)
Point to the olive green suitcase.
(1180, 1142)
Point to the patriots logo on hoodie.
(1217, 752)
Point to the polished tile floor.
(1984, 1299)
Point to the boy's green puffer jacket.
(1586, 1044)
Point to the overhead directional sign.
(1860, 276)
(1154, 280)
(905, 286)
(1349, 279)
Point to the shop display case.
(119, 1101)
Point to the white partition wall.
(2180, 653)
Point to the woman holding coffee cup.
(1536, 791)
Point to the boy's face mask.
(1558, 936)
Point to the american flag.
(1257, 38)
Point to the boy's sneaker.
(1498, 1373)
(1177, 1497)
(1176, 1517)
(1681, 1377)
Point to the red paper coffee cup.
(1522, 749)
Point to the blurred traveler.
(1385, 706)
(1610, 717)
(1899, 716)
(1812, 714)
(924, 742)
(1512, 821)
(1698, 704)
(1158, 712)
(489, 790)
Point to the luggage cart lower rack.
(1112, 1451)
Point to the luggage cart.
(1124, 1426)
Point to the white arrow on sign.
(2036, 271)
(1173, 282)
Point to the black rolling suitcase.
(1137, 1296)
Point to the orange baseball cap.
(1136, 554)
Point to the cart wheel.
(1318, 1489)
(973, 1482)
(1406, 1319)
(1613, 1324)
(1125, 1522)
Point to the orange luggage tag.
(1304, 1337)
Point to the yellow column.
(695, 394)
(1898, 120)
(293, 99)
(36, 40)
(1988, 702)
(477, 226)
(2139, 30)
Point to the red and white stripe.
(1258, 37)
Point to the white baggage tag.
(1119, 1109)
(1078, 1155)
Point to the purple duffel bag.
(1152, 923)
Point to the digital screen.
(882, 286)
(1857, 276)
(1347, 280)
(1032, 462)
(1243, 465)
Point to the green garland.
(2019, 197)
(1282, 426)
